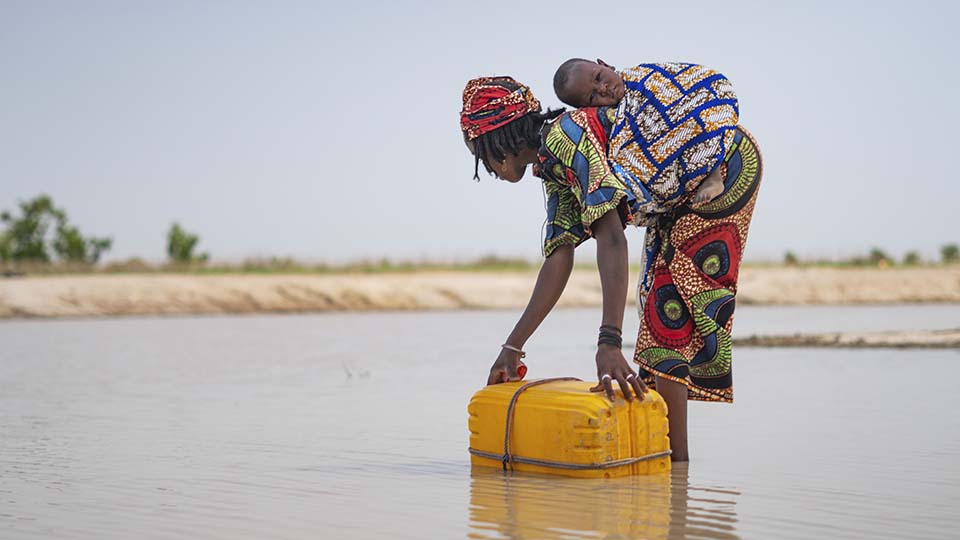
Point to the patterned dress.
(692, 257)
(671, 130)
(577, 179)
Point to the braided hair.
(500, 116)
(510, 138)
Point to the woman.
(686, 294)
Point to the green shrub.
(180, 246)
(950, 253)
(878, 257)
(27, 237)
(912, 258)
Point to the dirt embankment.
(156, 294)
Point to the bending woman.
(686, 295)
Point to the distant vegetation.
(284, 265)
(41, 233)
(288, 265)
(950, 253)
(876, 257)
(180, 246)
(912, 258)
(38, 238)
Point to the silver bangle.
(631, 376)
(606, 376)
(514, 349)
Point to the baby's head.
(582, 83)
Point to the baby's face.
(593, 85)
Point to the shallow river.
(354, 426)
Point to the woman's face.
(513, 166)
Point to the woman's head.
(501, 123)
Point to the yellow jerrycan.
(560, 427)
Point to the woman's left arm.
(577, 143)
(614, 275)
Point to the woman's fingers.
(498, 374)
(512, 374)
(630, 385)
(607, 381)
(638, 386)
(506, 368)
(624, 387)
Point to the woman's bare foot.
(709, 189)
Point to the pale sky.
(328, 131)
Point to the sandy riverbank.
(156, 294)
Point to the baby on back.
(673, 124)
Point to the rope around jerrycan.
(508, 459)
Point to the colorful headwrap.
(491, 102)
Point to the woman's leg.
(675, 394)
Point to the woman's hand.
(612, 366)
(506, 368)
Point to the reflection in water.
(700, 512)
(525, 506)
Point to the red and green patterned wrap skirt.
(687, 293)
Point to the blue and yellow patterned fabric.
(675, 126)
(672, 129)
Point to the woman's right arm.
(550, 284)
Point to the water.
(354, 426)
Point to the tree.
(180, 246)
(950, 253)
(790, 259)
(27, 236)
(878, 257)
(911, 258)
(71, 246)
(6, 247)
